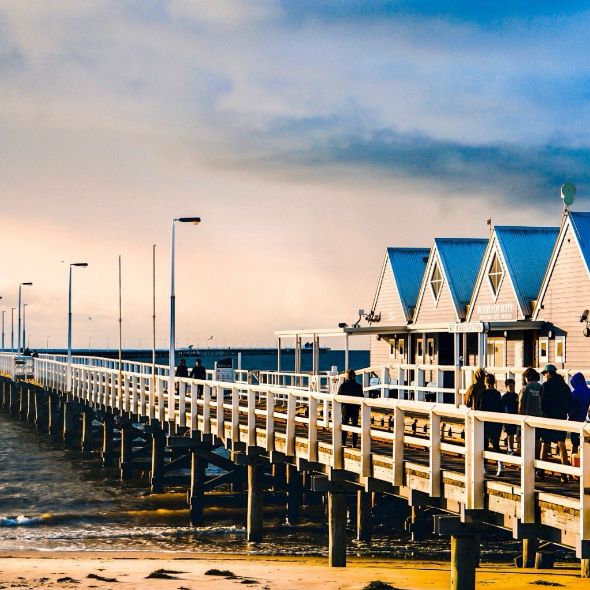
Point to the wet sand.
(129, 569)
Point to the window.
(430, 348)
(495, 274)
(560, 349)
(401, 347)
(543, 351)
(496, 356)
(419, 348)
(392, 348)
(436, 282)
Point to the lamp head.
(193, 220)
(82, 264)
(26, 284)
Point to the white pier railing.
(447, 447)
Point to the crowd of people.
(553, 398)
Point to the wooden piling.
(464, 557)
(254, 524)
(364, 506)
(294, 494)
(53, 415)
(157, 473)
(337, 529)
(70, 417)
(529, 550)
(196, 492)
(86, 434)
(125, 461)
(106, 452)
(584, 568)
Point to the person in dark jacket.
(476, 387)
(182, 369)
(529, 398)
(510, 402)
(556, 402)
(580, 405)
(198, 372)
(350, 412)
(490, 400)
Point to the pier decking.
(430, 454)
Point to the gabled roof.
(460, 259)
(407, 265)
(526, 252)
(581, 226)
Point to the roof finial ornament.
(568, 190)
(489, 222)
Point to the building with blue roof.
(564, 297)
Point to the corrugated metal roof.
(581, 224)
(526, 251)
(407, 265)
(461, 259)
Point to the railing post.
(270, 421)
(527, 473)
(160, 402)
(365, 440)
(235, 415)
(206, 409)
(434, 458)
(194, 418)
(474, 463)
(251, 396)
(337, 451)
(291, 406)
(182, 387)
(312, 432)
(220, 412)
(398, 446)
(585, 483)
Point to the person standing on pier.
(580, 404)
(350, 412)
(475, 389)
(182, 369)
(510, 401)
(490, 400)
(556, 402)
(198, 372)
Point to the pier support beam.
(196, 492)
(464, 558)
(125, 462)
(364, 507)
(294, 494)
(529, 550)
(157, 475)
(106, 451)
(337, 529)
(54, 427)
(255, 503)
(86, 437)
(70, 419)
(585, 568)
(41, 410)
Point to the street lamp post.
(69, 377)
(172, 352)
(25, 305)
(19, 311)
(12, 329)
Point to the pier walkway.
(430, 454)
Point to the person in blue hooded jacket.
(579, 408)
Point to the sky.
(308, 136)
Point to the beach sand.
(48, 570)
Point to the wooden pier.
(430, 455)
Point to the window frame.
(560, 358)
(436, 268)
(495, 257)
(543, 340)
